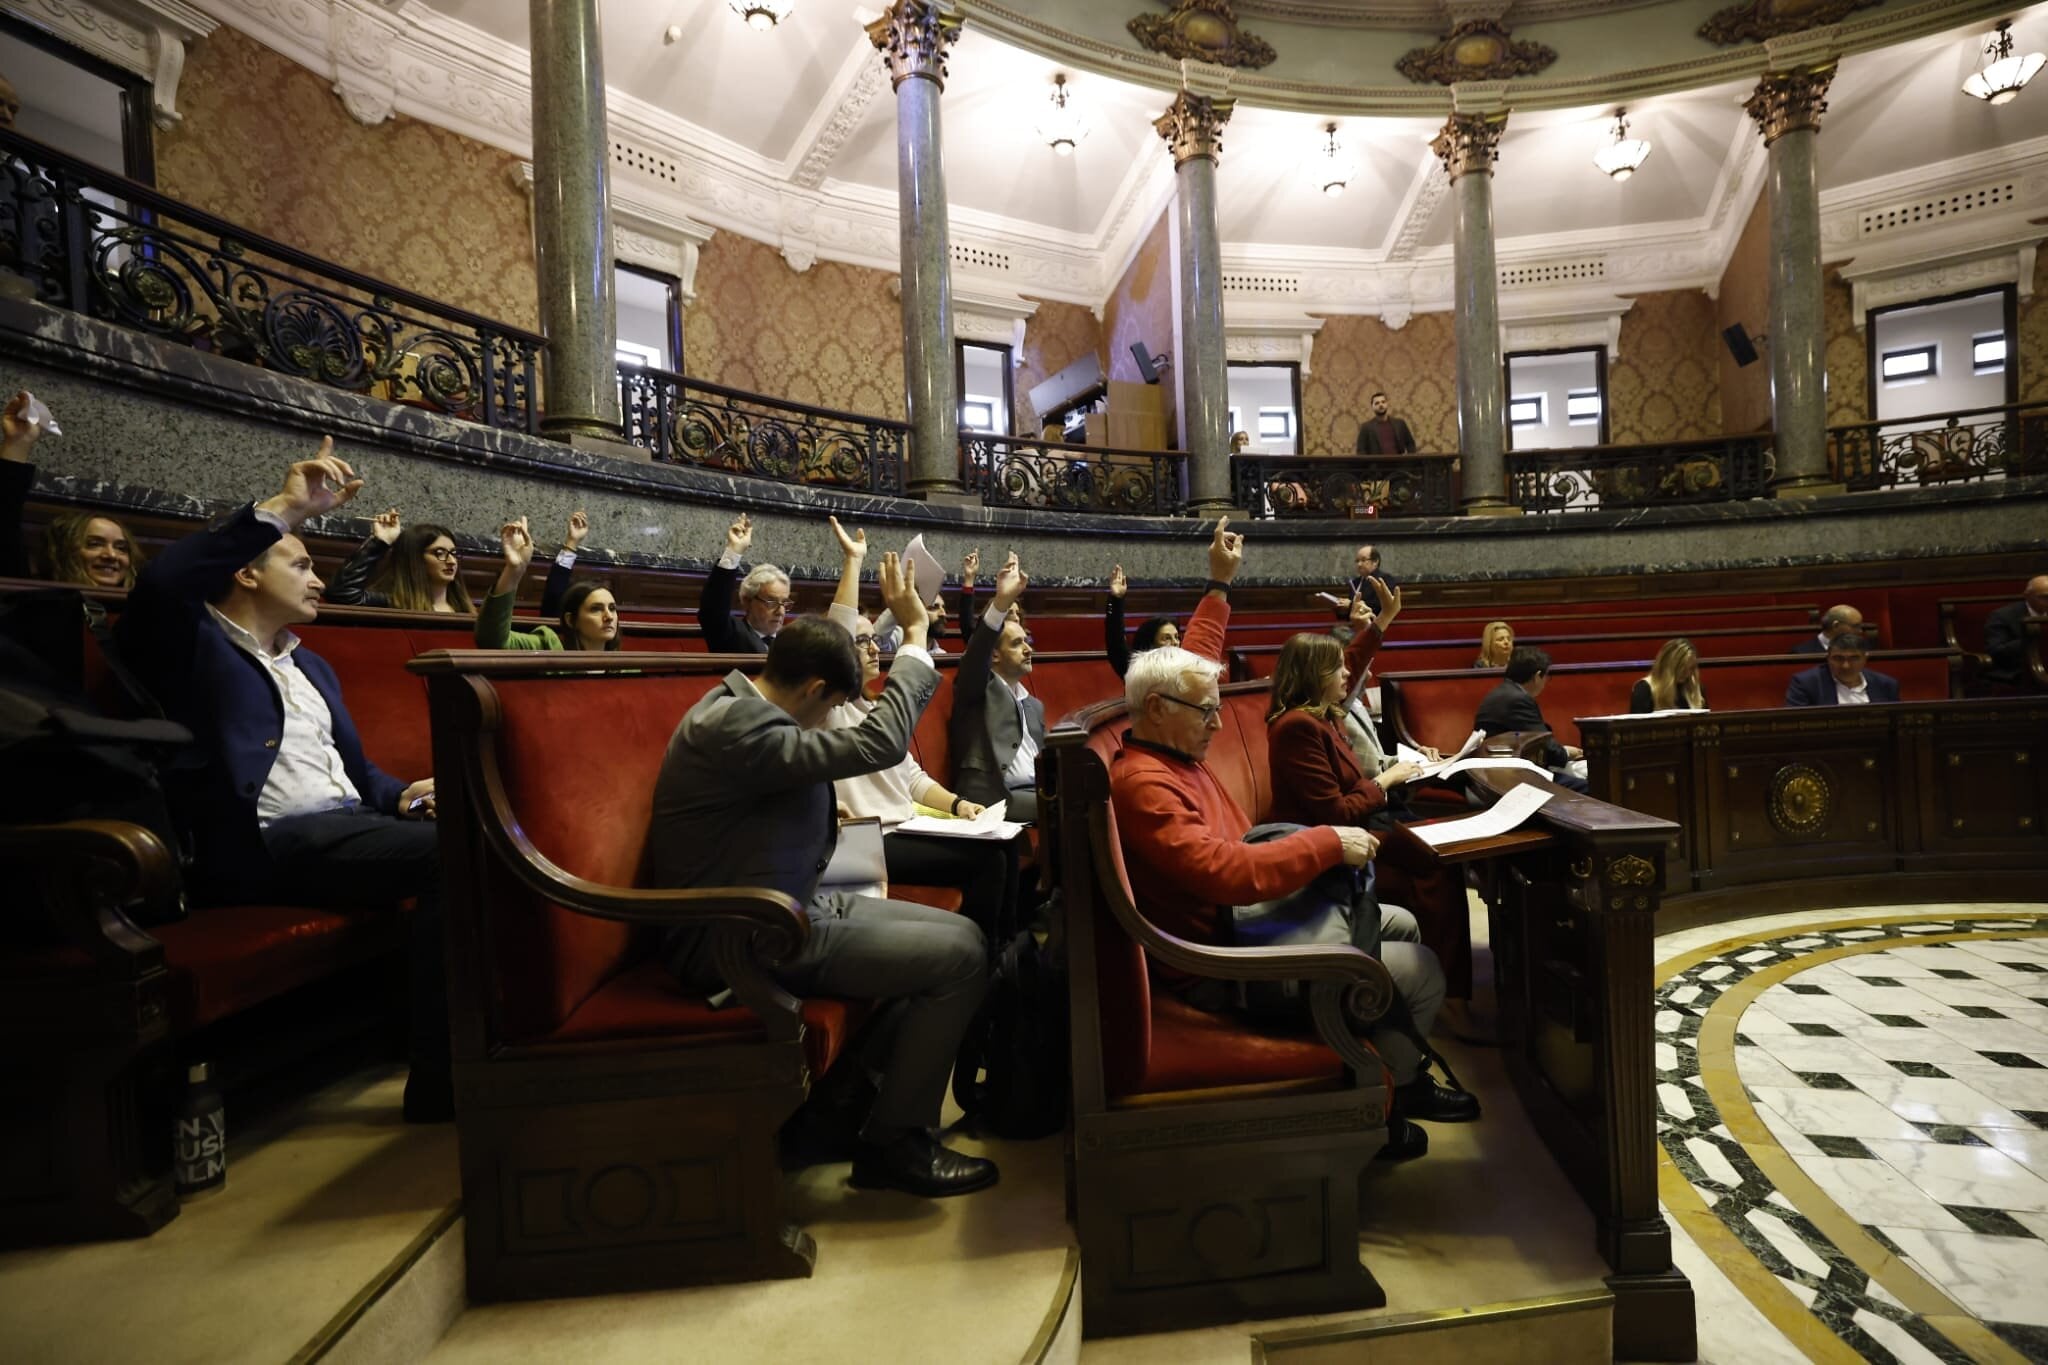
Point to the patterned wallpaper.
(2033, 339)
(1055, 336)
(1355, 356)
(1141, 309)
(265, 143)
(831, 336)
(1845, 353)
(1745, 297)
(1666, 384)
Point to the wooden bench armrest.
(90, 873)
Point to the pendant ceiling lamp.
(1062, 125)
(1623, 154)
(1332, 167)
(762, 15)
(2005, 72)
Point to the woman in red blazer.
(1317, 780)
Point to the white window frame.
(1907, 354)
(1978, 363)
(1535, 401)
(633, 353)
(1577, 416)
(1286, 418)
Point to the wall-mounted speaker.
(1148, 364)
(1739, 344)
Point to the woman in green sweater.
(588, 617)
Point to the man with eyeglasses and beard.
(763, 594)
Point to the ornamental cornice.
(147, 37)
(912, 37)
(1251, 337)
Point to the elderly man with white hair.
(763, 594)
(1183, 842)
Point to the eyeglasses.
(444, 554)
(774, 603)
(1210, 713)
(867, 644)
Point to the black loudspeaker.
(1148, 368)
(1739, 344)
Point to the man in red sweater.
(1183, 838)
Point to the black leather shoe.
(1423, 1098)
(917, 1164)
(1405, 1141)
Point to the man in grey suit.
(745, 799)
(997, 727)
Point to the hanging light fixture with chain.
(2005, 72)
(1062, 125)
(762, 15)
(1332, 168)
(1622, 155)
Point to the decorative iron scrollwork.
(687, 421)
(1345, 486)
(1724, 469)
(1801, 799)
(1008, 472)
(1959, 447)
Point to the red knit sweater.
(1183, 834)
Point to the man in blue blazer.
(1842, 680)
(286, 807)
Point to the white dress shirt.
(1845, 695)
(308, 775)
(1023, 769)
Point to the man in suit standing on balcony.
(763, 594)
(997, 726)
(1384, 434)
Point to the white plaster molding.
(649, 229)
(1964, 258)
(1253, 338)
(146, 37)
(1425, 192)
(1556, 320)
(860, 78)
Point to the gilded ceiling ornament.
(912, 37)
(1475, 50)
(1193, 126)
(1468, 142)
(1203, 31)
(1759, 20)
(1801, 799)
(1788, 100)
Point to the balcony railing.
(691, 422)
(1346, 485)
(1967, 446)
(1052, 476)
(1665, 474)
(113, 249)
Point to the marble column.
(572, 219)
(1467, 147)
(1193, 128)
(913, 37)
(1787, 106)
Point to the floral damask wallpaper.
(1055, 336)
(1141, 309)
(1666, 383)
(2033, 339)
(1745, 297)
(831, 336)
(1845, 353)
(265, 143)
(1355, 356)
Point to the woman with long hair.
(1673, 682)
(1154, 632)
(411, 568)
(1318, 780)
(84, 548)
(1496, 645)
(585, 616)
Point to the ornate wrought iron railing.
(1945, 447)
(1346, 485)
(1664, 474)
(1052, 476)
(105, 246)
(690, 421)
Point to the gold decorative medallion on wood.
(1202, 31)
(1763, 19)
(1630, 870)
(1801, 799)
(1476, 50)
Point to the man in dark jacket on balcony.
(1384, 434)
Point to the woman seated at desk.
(1673, 683)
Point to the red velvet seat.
(644, 1002)
(227, 958)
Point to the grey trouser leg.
(1023, 803)
(931, 966)
(1419, 981)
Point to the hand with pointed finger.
(579, 527)
(970, 565)
(314, 487)
(1226, 552)
(1010, 584)
(739, 537)
(1118, 584)
(517, 544)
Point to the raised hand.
(852, 548)
(579, 527)
(315, 487)
(739, 537)
(1390, 600)
(1361, 614)
(387, 525)
(970, 565)
(1118, 584)
(18, 435)
(900, 596)
(1010, 584)
(1226, 552)
(517, 544)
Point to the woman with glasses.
(1318, 779)
(411, 568)
(585, 615)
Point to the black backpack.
(1012, 1075)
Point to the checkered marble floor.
(1909, 1082)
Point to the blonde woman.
(1496, 645)
(1673, 682)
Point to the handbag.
(859, 867)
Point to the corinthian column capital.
(1469, 142)
(912, 37)
(1785, 101)
(1193, 126)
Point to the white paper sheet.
(1503, 815)
(990, 824)
(931, 577)
(1466, 765)
(1472, 742)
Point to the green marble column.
(1193, 129)
(913, 37)
(572, 220)
(1467, 146)
(1787, 106)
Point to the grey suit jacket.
(985, 726)
(745, 796)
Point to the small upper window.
(1526, 412)
(1582, 407)
(1912, 363)
(633, 353)
(1276, 424)
(978, 414)
(1987, 354)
